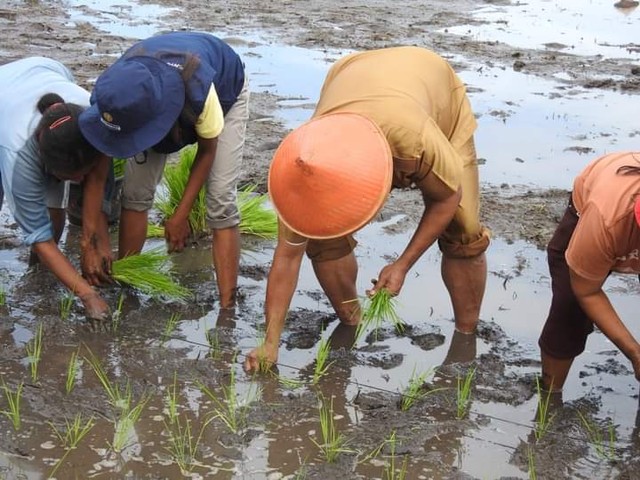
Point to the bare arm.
(177, 227)
(440, 207)
(95, 246)
(51, 256)
(281, 285)
(597, 306)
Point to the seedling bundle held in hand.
(377, 309)
(148, 272)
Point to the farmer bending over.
(597, 235)
(395, 117)
(164, 93)
(40, 149)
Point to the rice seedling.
(463, 397)
(322, 356)
(531, 462)
(73, 434)
(175, 178)
(13, 401)
(148, 273)
(171, 400)
(66, 304)
(215, 349)
(414, 390)
(333, 443)
(124, 425)
(72, 372)
(170, 326)
(155, 231)
(117, 314)
(34, 352)
(184, 445)
(119, 397)
(290, 383)
(3, 296)
(391, 470)
(378, 309)
(232, 409)
(544, 417)
(255, 218)
(605, 448)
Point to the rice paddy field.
(160, 392)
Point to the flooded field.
(163, 394)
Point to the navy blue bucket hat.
(134, 104)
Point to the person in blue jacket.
(164, 93)
(41, 149)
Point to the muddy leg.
(338, 280)
(465, 279)
(132, 232)
(226, 258)
(554, 371)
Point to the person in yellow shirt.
(164, 93)
(395, 117)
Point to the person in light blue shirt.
(41, 149)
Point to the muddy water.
(531, 131)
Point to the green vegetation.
(463, 398)
(333, 443)
(378, 309)
(117, 314)
(531, 461)
(544, 418)
(13, 401)
(73, 434)
(125, 423)
(255, 218)
(321, 365)
(72, 372)
(34, 352)
(119, 397)
(3, 296)
(184, 445)
(155, 231)
(148, 273)
(605, 447)
(391, 471)
(171, 400)
(415, 391)
(170, 326)
(66, 304)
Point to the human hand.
(95, 307)
(176, 233)
(261, 358)
(635, 361)
(391, 278)
(96, 264)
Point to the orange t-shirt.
(607, 236)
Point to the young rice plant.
(34, 352)
(13, 402)
(463, 397)
(333, 443)
(415, 391)
(72, 372)
(543, 414)
(321, 366)
(378, 309)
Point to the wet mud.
(592, 434)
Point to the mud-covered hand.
(176, 233)
(95, 307)
(261, 358)
(391, 277)
(96, 259)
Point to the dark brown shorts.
(567, 327)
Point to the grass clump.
(376, 310)
(119, 397)
(321, 366)
(543, 413)
(72, 372)
(414, 391)
(255, 218)
(75, 430)
(603, 440)
(34, 352)
(184, 444)
(125, 423)
(148, 273)
(333, 443)
(66, 304)
(155, 231)
(463, 397)
(13, 401)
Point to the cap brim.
(151, 132)
(330, 176)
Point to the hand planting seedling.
(148, 273)
(378, 309)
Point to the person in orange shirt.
(598, 234)
(394, 117)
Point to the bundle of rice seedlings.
(175, 178)
(148, 273)
(256, 219)
(155, 231)
(377, 309)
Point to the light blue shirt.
(29, 190)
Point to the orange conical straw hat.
(331, 175)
